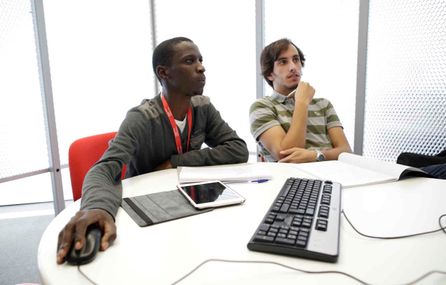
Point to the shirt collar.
(279, 97)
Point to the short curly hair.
(163, 52)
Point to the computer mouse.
(88, 252)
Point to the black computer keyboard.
(303, 221)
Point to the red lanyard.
(173, 124)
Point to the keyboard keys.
(321, 225)
(264, 227)
(323, 212)
(306, 223)
(285, 241)
(284, 208)
(325, 199)
(309, 211)
(301, 210)
(263, 238)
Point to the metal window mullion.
(153, 28)
(361, 76)
(28, 174)
(48, 104)
(260, 41)
(24, 175)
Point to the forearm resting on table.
(333, 153)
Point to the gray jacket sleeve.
(225, 146)
(101, 190)
(102, 187)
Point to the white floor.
(19, 243)
(26, 210)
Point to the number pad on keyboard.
(283, 235)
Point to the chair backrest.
(82, 155)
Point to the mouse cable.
(299, 270)
(85, 275)
(442, 228)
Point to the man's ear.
(270, 77)
(162, 72)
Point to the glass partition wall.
(100, 58)
(23, 147)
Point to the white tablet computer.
(210, 194)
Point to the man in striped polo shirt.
(291, 125)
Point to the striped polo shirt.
(277, 110)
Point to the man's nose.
(201, 68)
(294, 66)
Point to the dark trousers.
(434, 165)
(436, 170)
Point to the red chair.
(82, 155)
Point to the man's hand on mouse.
(76, 229)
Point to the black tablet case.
(159, 207)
